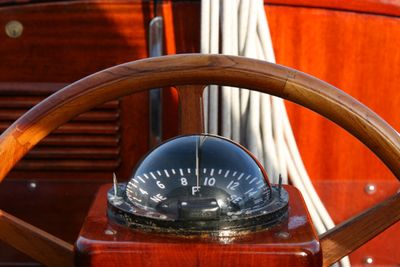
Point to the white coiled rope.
(258, 121)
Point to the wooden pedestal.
(291, 243)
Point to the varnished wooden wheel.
(200, 70)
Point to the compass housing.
(198, 184)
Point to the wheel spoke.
(39, 245)
(351, 234)
(190, 109)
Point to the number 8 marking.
(184, 181)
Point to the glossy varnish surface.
(333, 40)
(349, 235)
(357, 52)
(291, 243)
(48, 249)
(142, 75)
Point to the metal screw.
(14, 29)
(368, 260)
(370, 189)
(32, 185)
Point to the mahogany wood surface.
(35, 242)
(349, 48)
(223, 70)
(343, 48)
(340, 241)
(56, 206)
(191, 119)
(378, 7)
(290, 243)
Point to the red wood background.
(352, 45)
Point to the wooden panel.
(101, 121)
(344, 199)
(39, 244)
(83, 38)
(359, 54)
(381, 7)
(58, 207)
(361, 44)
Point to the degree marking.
(140, 178)
(212, 172)
(226, 174)
(252, 180)
(204, 170)
(173, 171)
(181, 171)
(220, 171)
(247, 178)
(248, 191)
(129, 190)
(145, 176)
(166, 173)
(234, 174)
(135, 181)
(240, 176)
(159, 173)
(152, 175)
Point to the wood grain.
(378, 7)
(181, 69)
(36, 243)
(349, 235)
(56, 206)
(191, 109)
(343, 49)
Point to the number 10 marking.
(209, 181)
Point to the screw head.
(370, 188)
(14, 29)
(368, 260)
(32, 185)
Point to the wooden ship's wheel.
(190, 74)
